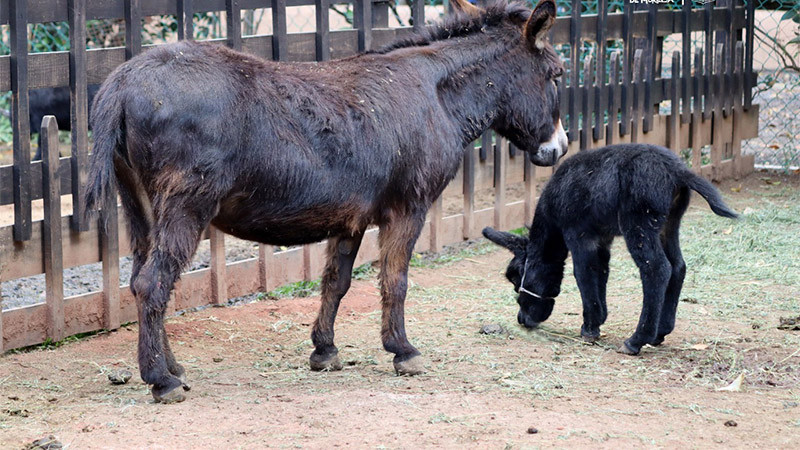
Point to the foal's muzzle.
(551, 151)
(533, 311)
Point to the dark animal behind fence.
(285, 153)
(637, 191)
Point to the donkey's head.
(528, 112)
(537, 283)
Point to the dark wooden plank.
(219, 282)
(650, 67)
(51, 236)
(599, 98)
(612, 134)
(574, 67)
(736, 111)
(362, 13)
(717, 145)
(109, 247)
(500, 163)
(675, 101)
(486, 145)
(133, 28)
(697, 112)
(468, 173)
(749, 81)
(731, 57)
(79, 111)
(265, 262)
(686, 41)
(529, 176)
(587, 101)
(233, 19)
(638, 95)
(20, 125)
(185, 19)
(322, 38)
(512, 150)
(280, 46)
(627, 56)
(709, 68)
(418, 14)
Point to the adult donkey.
(287, 154)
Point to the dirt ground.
(251, 386)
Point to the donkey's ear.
(542, 18)
(464, 6)
(510, 241)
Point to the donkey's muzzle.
(551, 151)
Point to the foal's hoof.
(589, 338)
(184, 384)
(411, 366)
(173, 395)
(627, 349)
(319, 363)
(657, 341)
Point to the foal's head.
(529, 108)
(538, 282)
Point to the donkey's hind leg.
(396, 239)
(175, 237)
(335, 283)
(644, 245)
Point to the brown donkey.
(294, 153)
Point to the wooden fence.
(605, 99)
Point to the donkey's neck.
(546, 242)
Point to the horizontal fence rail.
(613, 92)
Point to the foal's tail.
(108, 125)
(708, 192)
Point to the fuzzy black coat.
(637, 191)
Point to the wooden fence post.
(233, 16)
(529, 174)
(362, 14)
(418, 14)
(599, 97)
(265, 261)
(468, 175)
(322, 39)
(612, 134)
(636, 87)
(51, 231)
(736, 111)
(587, 101)
(133, 28)
(219, 283)
(697, 114)
(500, 162)
(79, 110)
(436, 238)
(280, 45)
(185, 19)
(574, 78)
(717, 140)
(674, 120)
(20, 125)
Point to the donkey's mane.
(459, 24)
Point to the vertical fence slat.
(79, 110)
(500, 163)
(717, 145)
(20, 126)
(627, 37)
(265, 261)
(109, 244)
(280, 45)
(650, 63)
(185, 19)
(233, 18)
(736, 111)
(133, 28)
(219, 283)
(418, 14)
(307, 274)
(730, 56)
(636, 86)
(486, 144)
(612, 134)
(574, 63)
(51, 230)
(436, 234)
(675, 101)
(529, 174)
(686, 41)
(748, 59)
(587, 101)
(322, 39)
(468, 172)
(599, 98)
(362, 12)
(697, 113)
(709, 53)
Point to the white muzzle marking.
(558, 142)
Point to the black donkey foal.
(637, 191)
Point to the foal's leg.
(335, 283)
(672, 249)
(587, 267)
(644, 245)
(396, 241)
(175, 238)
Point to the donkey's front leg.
(396, 240)
(335, 283)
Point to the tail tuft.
(710, 193)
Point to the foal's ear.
(464, 6)
(542, 18)
(510, 241)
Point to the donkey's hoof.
(319, 364)
(411, 366)
(184, 384)
(174, 395)
(627, 349)
(590, 338)
(657, 341)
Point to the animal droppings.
(119, 376)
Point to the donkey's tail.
(108, 125)
(708, 192)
